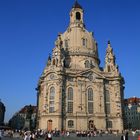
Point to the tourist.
(32, 137)
(68, 134)
(126, 136)
(48, 136)
(26, 136)
(123, 137)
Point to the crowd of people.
(47, 135)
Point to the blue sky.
(28, 29)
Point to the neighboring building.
(132, 113)
(74, 93)
(25, 118)
(2, 113)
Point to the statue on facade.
(59, 42)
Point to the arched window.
(70, 100)
(70, 123)
(70, 93)
(52, 93)
(87, 64)
(90, 101)
(51, 101)
(78, 16)
(90, 94)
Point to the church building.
(74, 92)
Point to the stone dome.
(79, 39)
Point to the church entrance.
(49, 125)
(91, 125)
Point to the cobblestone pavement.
(80, 138)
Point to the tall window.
(66, 43)
(108, 108)
(87, 64)
(52, 93)
(109, 124)
(90, 94)
(70, 124)
(90, 101)
(51, 102)
(70, 100)
(107, 96)
(70, 94)
(107, 101)
(84, 42)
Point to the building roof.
(132, 100)
(77, 5)
(26, 108)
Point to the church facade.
(74, 92)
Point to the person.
(126, 136)
(32, 137)
(123, 137)
(68, 133)
(0, 134)
(26, 137)
(139, 137)
(48, 136)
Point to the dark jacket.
(126, 136)
(122, 137)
